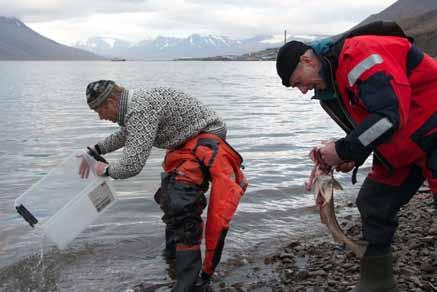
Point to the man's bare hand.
(345, 166)
(100, 168)
(84, 168)
(329, 154)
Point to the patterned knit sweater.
(160, 117)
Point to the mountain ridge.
(19, 42)
(168, 48)
(402, 9)
(423, 29)
(418, 18)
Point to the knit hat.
(98, 91)
(288, 58)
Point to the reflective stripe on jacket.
(388, 87)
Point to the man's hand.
(329, 154)
(101, 168)
(345, 166)
(88, 164)
(84, 168)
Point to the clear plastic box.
(63, 203)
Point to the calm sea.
(44, 118)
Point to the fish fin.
(327, 195)
(360, 248)
(336, 185)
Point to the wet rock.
(228, 289)
(316, 263)
(432, 231)
(416, 281)
(302, 275)
(318, 273)
(239, 287)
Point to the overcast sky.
(134, 20)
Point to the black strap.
(213, 145)
(26, 215)
(96, 155)
(354, 175)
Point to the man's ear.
(113, 101)
(307, 60)
(304, 58)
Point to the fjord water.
(44, 118)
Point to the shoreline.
(315, 263)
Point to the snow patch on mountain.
(168, 48)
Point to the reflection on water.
(44, 118)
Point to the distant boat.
(118, 59)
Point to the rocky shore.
(314, 262)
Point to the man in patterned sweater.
(197, 153)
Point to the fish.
(323, 183)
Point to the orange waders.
(188, 170)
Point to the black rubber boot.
(188, 264)
(376, 274)
(202, 283)
(169, 252)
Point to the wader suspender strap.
(211, 144)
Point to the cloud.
(69, 21)
(52, 10)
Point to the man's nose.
(303, 89)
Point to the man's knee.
(182, 204)
(189, 231)
(379, 219)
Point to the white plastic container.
(63, 203)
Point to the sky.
(134, 20)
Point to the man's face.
(306, 75)
(108, 110)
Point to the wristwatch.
(106, 171)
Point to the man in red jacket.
(382, 91)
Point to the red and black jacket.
(388, 103)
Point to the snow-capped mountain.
(167, 48)
(103, 45)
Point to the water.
(44, 118)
